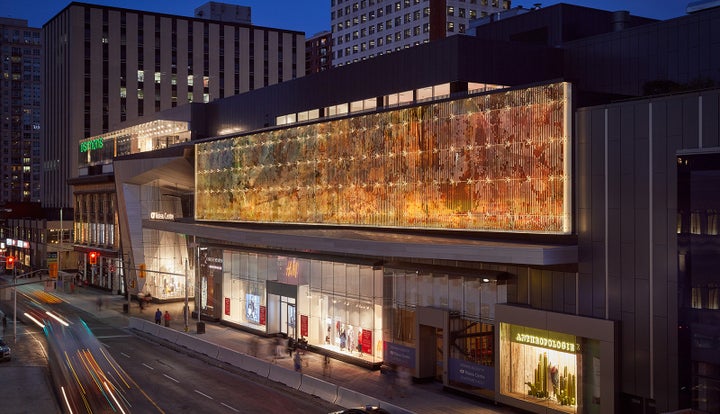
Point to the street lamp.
(10, 261)
(10, 264)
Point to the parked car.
(4, 351)
(368, 409)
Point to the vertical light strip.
(607, 260)
(700, 131)
(567, 157)
(650, 243)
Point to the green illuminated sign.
(94, 144)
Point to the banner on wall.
(227, 306)
(252, 310)
(399, 354)
(303, 325)
(211, 266)
(466, 372)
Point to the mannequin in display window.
(350, 338)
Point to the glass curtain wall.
(698, 242)
(470, 300)
(497, 161)
(164, 253)
(338, 306)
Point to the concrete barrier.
(151, 328)
(255, 365)
(348, 398)
(135, 323)
(322, 389)
(231, 357)
(167, 334)
(198, 345)
(285, 376)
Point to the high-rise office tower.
(106, 65)
(363, 29)
(20, 52)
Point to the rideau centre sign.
(93, 144)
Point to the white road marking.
(148, 366)
(171, 378)
(237, 411)
(124, 354)
(204, 395)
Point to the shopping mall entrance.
(281, 309)
(432, 325)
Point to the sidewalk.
(428, 398)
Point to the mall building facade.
(530, 237)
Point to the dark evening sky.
(312, 16)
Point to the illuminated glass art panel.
(492, 162)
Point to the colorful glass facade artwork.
(492, 162)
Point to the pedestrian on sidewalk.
(404, 380)
(158, 316)
(390, 375)
(297, 362)
(279, 347)
(326, 366)
(254, 345)
(167, 318)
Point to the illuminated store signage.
(157, 215)
(544, 339)
(544, 367)
(93, 144)
(291, 271)
(491, 162)
(214, 263)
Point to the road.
(169, 381)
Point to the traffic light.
(10, 263)
(93, 256)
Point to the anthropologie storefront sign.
(545, 339)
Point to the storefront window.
(552, 369)
(471, 361)
(165, 255)
(331, 304)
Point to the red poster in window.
(227, 306)
(262, 315)
(303, 325)
(367, 341)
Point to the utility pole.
(186, 310)
(15, 302)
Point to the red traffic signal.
(93, 256)
(9, 263)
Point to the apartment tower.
(105, 66)
(363, 29)
(20, 52)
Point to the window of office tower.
(497, 161)
(698, 246)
